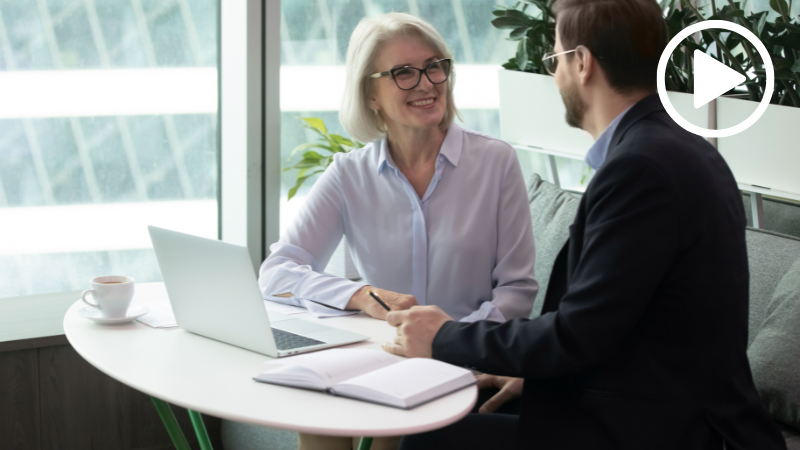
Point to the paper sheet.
(282, 308)
(160, 315)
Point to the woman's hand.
(510, 388)
(361, 300)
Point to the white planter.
(768, 153)
(341, 263)
(532, 113)
(684, 104)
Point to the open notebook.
(370, 375)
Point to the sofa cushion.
(781, 216)
(552, 212)
(775, 354)
(246, 436)
(769, 256)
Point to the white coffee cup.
(113, 295)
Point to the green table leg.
(365, 443)
(174, 430)
(200, 430)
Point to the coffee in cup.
(113, 295)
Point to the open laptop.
(214, 293)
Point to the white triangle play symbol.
(712, 78)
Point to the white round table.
(215, 378)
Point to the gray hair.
(355, 115)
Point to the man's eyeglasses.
(551, 62)
(407, 78)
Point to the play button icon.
(712, 78)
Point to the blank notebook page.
(408, 378)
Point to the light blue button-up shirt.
(597, 153)
(466, 245)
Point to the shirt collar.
(597, 153)
(451, 148)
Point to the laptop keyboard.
(287, 341)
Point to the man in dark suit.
(642, 339)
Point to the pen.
(378, 299)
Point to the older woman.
(433, 214)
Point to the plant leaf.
(511, 22)
(519, 15)
(522, 54)
(796, 66)
(511, 64)
(299, 182)
(306, 146)
(667, 5)
(315, 123)
(341, 140)
(761, 22)
(779, 75)
(312, 155)
(779, 6)
(518, 33)
(542, 5)
(307, 163)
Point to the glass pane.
(107, 125)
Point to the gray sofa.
(774, 328)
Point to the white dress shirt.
(466, 245)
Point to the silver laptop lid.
(213, 289)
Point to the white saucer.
(134, 312)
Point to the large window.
(107, 124)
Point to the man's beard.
(576, 108)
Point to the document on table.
(282, 308)
(160, 315)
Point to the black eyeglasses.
(407, 78)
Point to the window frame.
(249, 114)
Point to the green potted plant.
(314, 162)
(679, 76)
(522, 85)
(528, 95)
(525, 82)
(316, 157)
(766, 154)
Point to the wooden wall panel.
(19, 400)
(84, 409)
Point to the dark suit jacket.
(642, 340)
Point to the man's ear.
(587, 64)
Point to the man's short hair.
(626, 36)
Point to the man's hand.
(416, 329)
(361, 300)
(510, 388)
